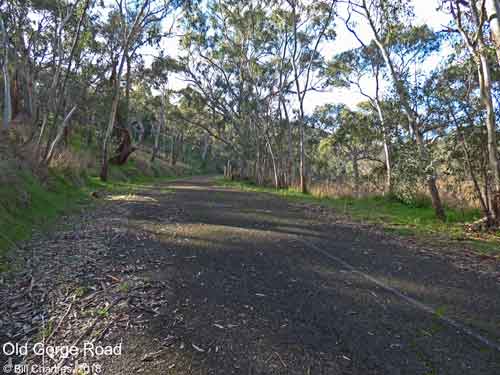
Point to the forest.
(94, 79)
(294, 187)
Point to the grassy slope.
(395, 216)
(26, 203)
(41, 205)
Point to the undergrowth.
(29, 202)
(395, 216)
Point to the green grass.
(394, 216)
(27, 204)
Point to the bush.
(409, 172)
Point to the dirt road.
(197, 279)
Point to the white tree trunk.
(59, 135)
(159, 127)
(493, 13)
(412, 119)
(484, 72)
(7, 107)
(387, 151)
(478, 50)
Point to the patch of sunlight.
(131, 198)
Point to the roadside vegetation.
(416, 220)
(34, 197)
(93, 96)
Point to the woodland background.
(85, 93)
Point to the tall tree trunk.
(484, 73)
(107, 134)
(281, 103)
(275, 168)
(355, 170)
(387, 150)
(127, 89)
(302, 166)
(479, 50)
(15, 93)
(57, 98)
(385, 130)
(7, 105)
(205, 147)
(30, 95)
(116, 93)
(412, 119)
(42, 130)
(493, 13)
(59, 136)
(388, 166)
(180, 148)
(161, 124)
(173, 150)
(301, 91)
(289, 157)
(289, 161)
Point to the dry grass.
(455, 194)
(342, 190)
(78, 163)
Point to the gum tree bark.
(479, 51)
(493, 12)
(411, 116)
(59, 136)
(298, 72)
(7, 106)
(159, 127)
(116, 91)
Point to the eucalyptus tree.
(456, 111)
(44, 41)
(250, 62)
(57, 91)
(227, 45)
(16, 30)
(7, 106)
(21, 42)
(158, 75)
(312, 23)
(400, 46)
(283, 70)
(132, 20)
(470, 18)
(492, 8)
(352, 138)
(352, 69)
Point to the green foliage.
(28, 203)
(394, 215)
(408, 173)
